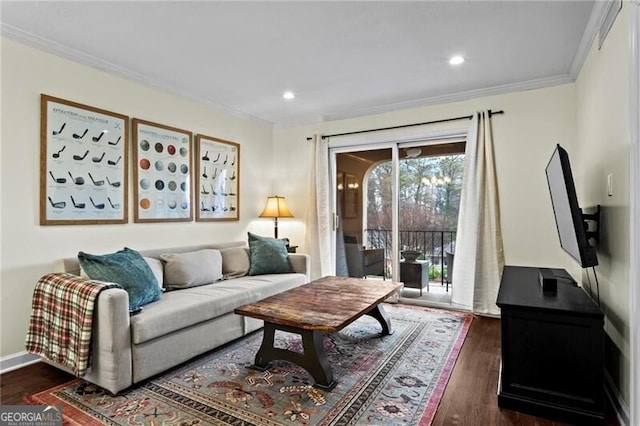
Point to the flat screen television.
(570, 220)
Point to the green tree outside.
(429, 194)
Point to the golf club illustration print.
(163, 175)
(84, 157)
(218, 175)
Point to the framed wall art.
(162, 173)
(218, 179)
(83, 164)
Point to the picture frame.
(162, 173)
(218, 179)
(83, 164)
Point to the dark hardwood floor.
(469, 399)
(471, 396)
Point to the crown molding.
(454, 97)
(78, 56)
(596, 18)
(433, 100)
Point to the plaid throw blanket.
(61, 319)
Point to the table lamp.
(276, 207)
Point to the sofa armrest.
(300, 263)
(111, 366)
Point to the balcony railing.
(432, 243)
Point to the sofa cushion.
(235, 262)
(268, 256)
(179, 309)
(126, 268)
(183, 270)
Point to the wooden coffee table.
(326, 305)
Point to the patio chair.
(449, 273)
(362, 262)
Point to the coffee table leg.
(266, 352)
(381, 315)
(314, 359)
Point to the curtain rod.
(466, 117)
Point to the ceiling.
(341, 59)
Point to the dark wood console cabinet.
(552, 349)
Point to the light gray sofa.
(181, 325)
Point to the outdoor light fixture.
(413, 152)
(276, 207)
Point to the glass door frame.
(369, 142)
(333, 173)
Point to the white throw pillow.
(156, 268)
(235, 262)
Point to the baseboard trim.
(618, 404)
(18, 360)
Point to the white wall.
(525, 136)
(29, 250)
(602, 101)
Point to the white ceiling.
(342, 59)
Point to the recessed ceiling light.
(288, 95)
(456, 60)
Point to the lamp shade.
(276, 207)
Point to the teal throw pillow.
(126, 268)
(268, 256)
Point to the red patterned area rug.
(391, 380)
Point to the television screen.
(569, 218)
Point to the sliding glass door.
(397, 197)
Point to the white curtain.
(319, 227)
(479, 254)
